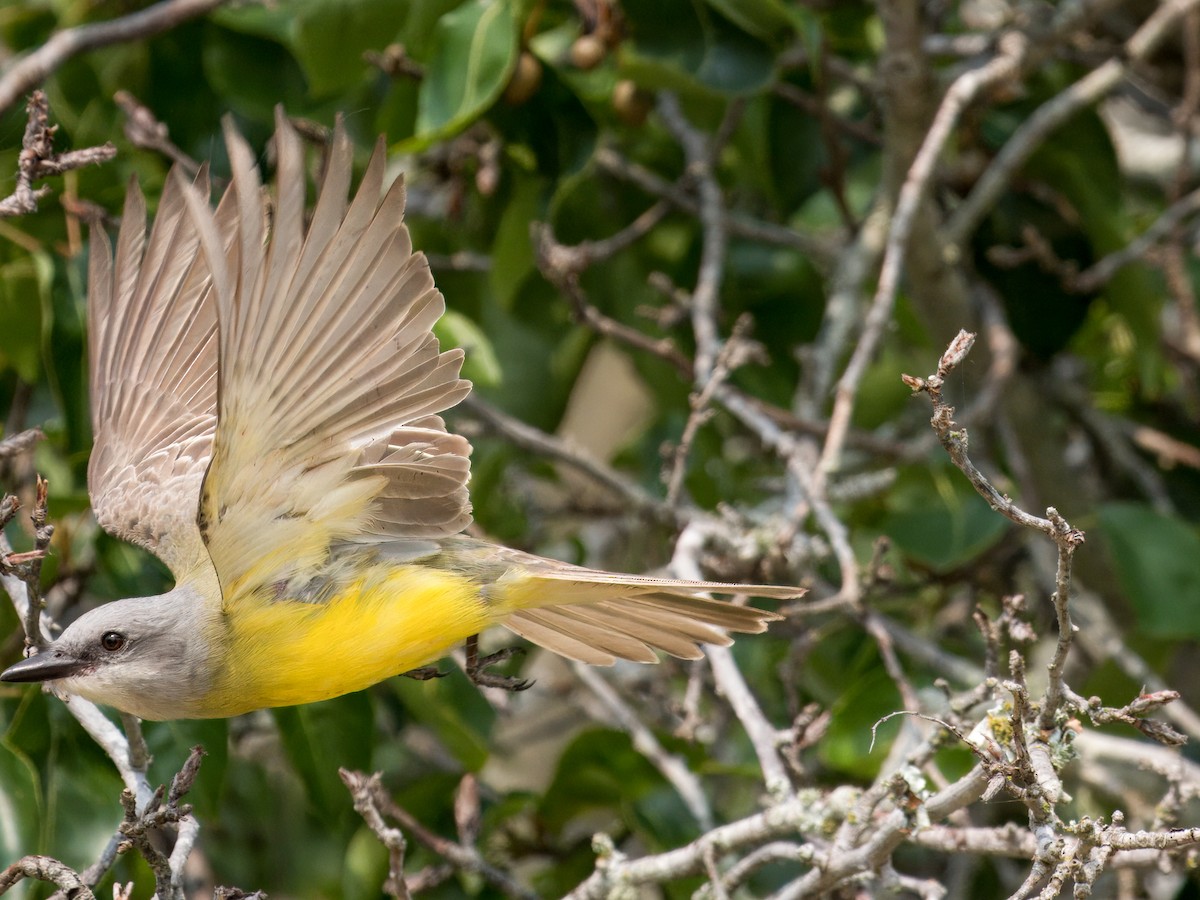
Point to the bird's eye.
(112, 641)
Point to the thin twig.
(961, 94)
(1054, 113)
(36, 66)
(672, 767)
(144, 130)
(461, 856)
(45, 868)
(38, 159)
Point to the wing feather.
(331, 377)
(153, 362)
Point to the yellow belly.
(390, 620)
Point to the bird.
(266, 393)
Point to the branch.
(1056, 112)
(961, 94)
(1054, 526)
(38, 159)
(45, 868)
(464, 857)
(36, 66)
(140, 824)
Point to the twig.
(26, 568)
(362, 791)
(674, 769)
(395, 62)
(558, 268)
(1056, 112)
(961, 94)
(461, 856)
(734, 353)
(1054, 526)
(782, 820)
(536, 441)
(1101, 272)
(144, 130)
(821, 252)
(705, 296)
(574, 259)
(139, 824)
(764, 737)
(45, 868)
(34, 67)
(20, 443)
(38, 159)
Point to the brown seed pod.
(587, 52)
(525, 81)
(631, 104)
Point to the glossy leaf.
(473, 54)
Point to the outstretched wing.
(330, 375)
(152, 343)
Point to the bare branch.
(38, 159)
(45, 868)
(36, 66)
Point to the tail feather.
(630, 618)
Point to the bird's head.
(148, 656)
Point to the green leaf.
(599, 770)
(320, 738)
(454, 329)
(683, 45)
(21, 802)
(512, 251)
(474, 52)
(1158, 563)
(22, 291)
(767, 20)
(328, 39)
(937, 518)
(366, 866)
(252, 74)
(64, 346)
(861, 702)
(454, 710)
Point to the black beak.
(45, 666)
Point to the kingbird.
(265, 401)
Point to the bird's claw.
(424, 673)
(477, 666)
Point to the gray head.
(148, 656)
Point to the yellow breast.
(389, 620)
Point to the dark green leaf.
(1157, 559)
(936, 517)
(320, 738)
(454, 709)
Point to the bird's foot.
(477, 666)
(424, 673)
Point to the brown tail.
(599, 617)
